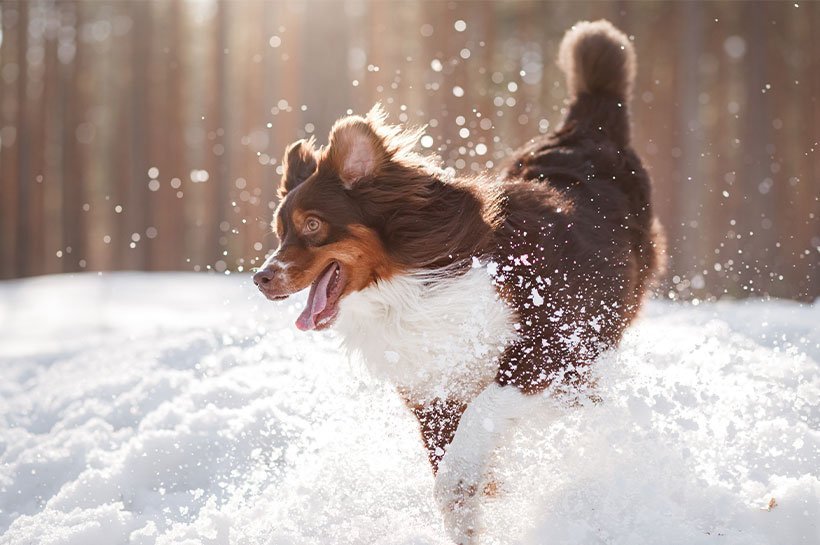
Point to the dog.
(473, 293)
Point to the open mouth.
(323, 300)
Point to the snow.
(183, 408)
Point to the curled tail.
(599, 63)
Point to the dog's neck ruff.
(432, 335)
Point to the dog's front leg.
(438, 420)
(463, 470)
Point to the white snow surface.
(181, 408)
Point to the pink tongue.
(317, 301)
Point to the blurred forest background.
(148, 135)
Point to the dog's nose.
(263, 277)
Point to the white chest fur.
(430, 335)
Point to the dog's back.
(601, 234)
(594, 142)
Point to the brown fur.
(569, 217)
(438, 422)
(597, 58)
(360, 252)
(299, 163)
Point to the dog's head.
(330, 228)
(363, 209)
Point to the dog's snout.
(272, 281)
(263, 277)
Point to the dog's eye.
(312, 225)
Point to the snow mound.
(178, 408)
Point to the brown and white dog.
(470, 294)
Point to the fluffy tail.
(599, 63)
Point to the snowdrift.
(178, 408)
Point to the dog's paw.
(457, 491)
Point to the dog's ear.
(356, 149)
(299, 163)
